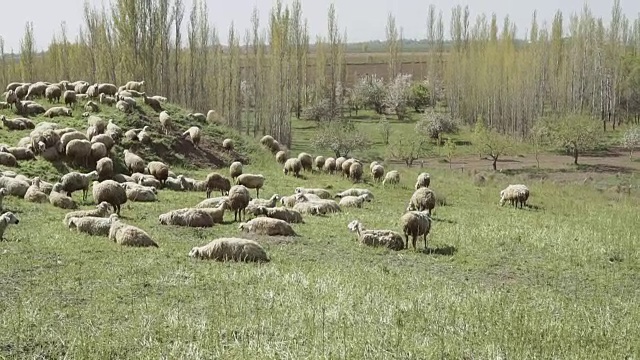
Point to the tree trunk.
(575, 156)
(495, 160)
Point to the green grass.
(558, 280)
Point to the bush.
(320, 111)
(434, 124)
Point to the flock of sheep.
(110, 190)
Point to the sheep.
(149, 180)
(415, 223)
(271, 202)
(70, 98)
(354, 192)
(21, 92)
(158, 98)
(98, 151)
(113, 130)
(91, 225)
(8, 159)
(111, 192)
(227, 144)
(158, 170)
(143, 136)
(142, 194)
(217, 213)
(12, 86)
(355, 171)
(153, 103)
(12, 124)
(339, 162)
(281, 157)
(166, 123)
(293, 166)
(377, 172)
(515, 194)
(216, 181)
(175, 184)
(23, 178)
(133, 162)
(329, 165)
(289, 215)
(36, 90)
(20, 153)
(101, 210)
(92, 91)
(129, 235)
(392, 177)
(197, 117)
(67, 137)
(322, 193)
(289, 201)
(194, 135)
(134, 85)
(81, 87)
(238, 200)
(123, 106)
(134, 93)
(104, 139)
(187, 217)
(57, 111)
(424, 180)
(104, 168)
(212, 202)
(423, 199)
(6, 219)
(30, 109)
(231, 249)
(306, 161)
(34, 194)
(11, 97)
(74, 181)
(106, 100)
(387, 238)
(190, 184)
(132, 134)
(307, 197)
(14, 187)
(53, 92)
(45, 187)
(58, 199)
(267, 226)
(121, 178)
(318, 162)
(266, 141)
(107, 89)
(3, 193)
(317, 207)
(91, 107)
(235, 169)
(79, 151)
(251, 181)
(354, 201)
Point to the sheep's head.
(36, 181)
(10, 218)
(502, 199)
(58, 186)
(195, 252)
(243, 227)
(163, 219)
(298, 190)
(354, 225)
(92, 175)
(3, 192)
(113, 218)
(103, 206)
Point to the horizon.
(411, 23)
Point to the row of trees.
(262, 76)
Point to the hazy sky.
(363, 19)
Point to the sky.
(363, 19)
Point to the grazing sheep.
(6, 219)
(318, 162)
(267, 226)
(194, 135)
(144, 136)
(15, 187)
(212, 202)
(152, 103)
(113, 130)
(70, 98)
(58, 199)
(515, 194)
(235, 169)
(211, 116)
(322, 193)
(8, 159)
(101, 210)
(11, 97)
(293, 166)
(67, 137)
(372, 165)
(231, 249)
(354, 192)
(251, 181)
(227, 144)
(3, 193)
(20, 153)
(134, 85)
(377, 172)
(166, 123)
(129, 235)
(416, 223)
(158, 170)
(111, 192)
(238, 200)
(79, 151)
(339, 162)
(36, 90)
(92, 107)
(104, 169)
(289, 215)
(187, 217)
(216, 181)
(57, 111)
(423, 199)
(133, 162)
(266, 141)
(424, 180)
(123, 106)
(74, 181)
(392, 177)
(98, 151)
(329, 165)
(354, 201)
(142, 194)
(355, 171)
(386, 238)
(53, 92)
(281, 157)
(197, 117)
(306, 161)
(91, 225)
(106, 100)
(34, 194)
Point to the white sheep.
(251, 181)
(392, 177)
(92, 225)
(306, 161)
(212, 202)
(267, 226)
(416, 223)
(321, 193)
(144, 136)
(15, 187)
(293, 166)
(387, 238)
(142, 194)
(289, 215)
(101, 210)
(74, 181)
(423, 199)
(231, 249)
(111, 192)
(515, 194)
(377, 172)
(34, 194)
(194, 134)
(58, 199)
(129, 235)
(166, 123)
(354, 201)
(238, 200)
(6, 219)
(186, 217)
(354, 192)
(235, 169)
(3, 193)
(424, 180)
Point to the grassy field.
(557, 280)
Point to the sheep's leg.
(425, 241)
(414, 238)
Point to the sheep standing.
(231, 249)
(267, 226)
(74, 181)
(387, 238)
(392, 177)
(235, 169)
(355, 171)
(251, 181)
(215, 181)
(339, 162)
(515, 194)
(416, 223)
(292, 166)
(238, 200)
(377, 172)
(6, 219)
(423, 199)
(281, 157)
(133, 162)
(306, 161)
(329, 165)
(111, 192)
(79, 151)
(158, 170)
(424, 180)
(129, 235)
(194, 134)
(166, 123)
(318, 162)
